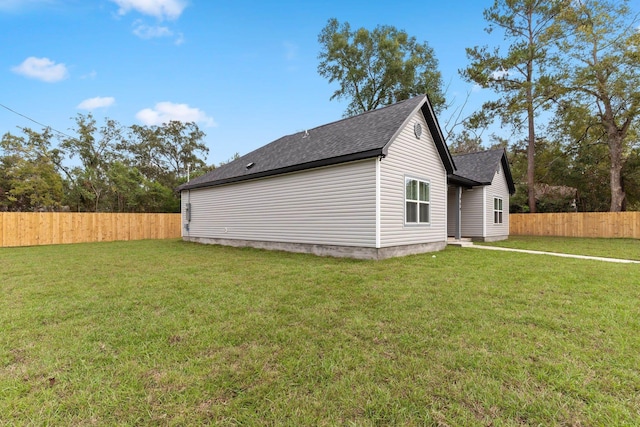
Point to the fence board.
(581, 224)
(46, 228)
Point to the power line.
(35, 121)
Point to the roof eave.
(507, 173)
(436, 132)
(452, 178)
(294, 168)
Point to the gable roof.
(364, 136)
(481, 167)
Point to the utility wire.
(35, 121)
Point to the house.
(371, 186)
(478, 196)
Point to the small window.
(497, 210)
(417, 201)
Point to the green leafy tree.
(521, 74)
(29, 180)
(377, 68)
(95, 147)
(631, 174)
(589, 173)
(582, 145)
(159, 198)
(110, 173)
(164, 156)
(166, 153)
(127, 187)
(601, 80)
(464, 142)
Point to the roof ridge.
(243, 157)
(363, 136)
(354, 116)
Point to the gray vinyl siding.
(498, 188)
(415, 158)
(472, 212)
(334, 205)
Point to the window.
(497, 210)
(416, 201)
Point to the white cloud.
(97, 102)
(42, 69)
(161, 9)
(149, 32)
(164, 112)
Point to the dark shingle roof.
(363, 136)
(481, 166)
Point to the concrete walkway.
(469, 244)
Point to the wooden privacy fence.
(49, 228)
(582, 224)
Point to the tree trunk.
(615, 140)
(617, 192)
(531, 166)
(531, 145)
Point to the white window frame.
(417, 201)
(498, 210)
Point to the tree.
(631, 174)
(520, 74)
(29, 180)
(126, 188)
(164, 156)
(601, 77)
(377, 68)
(96, 149)
(464, 142)
(166, 153)
(111, 174)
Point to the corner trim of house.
(378, 215)
(356, 252)
(484, 211)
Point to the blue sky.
(245, 71)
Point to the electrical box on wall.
(187, 212)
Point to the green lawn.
(173, 333)
(608, 248)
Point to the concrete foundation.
(327, 250)
(490, 238)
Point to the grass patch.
(608, 248)
(174, 333)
